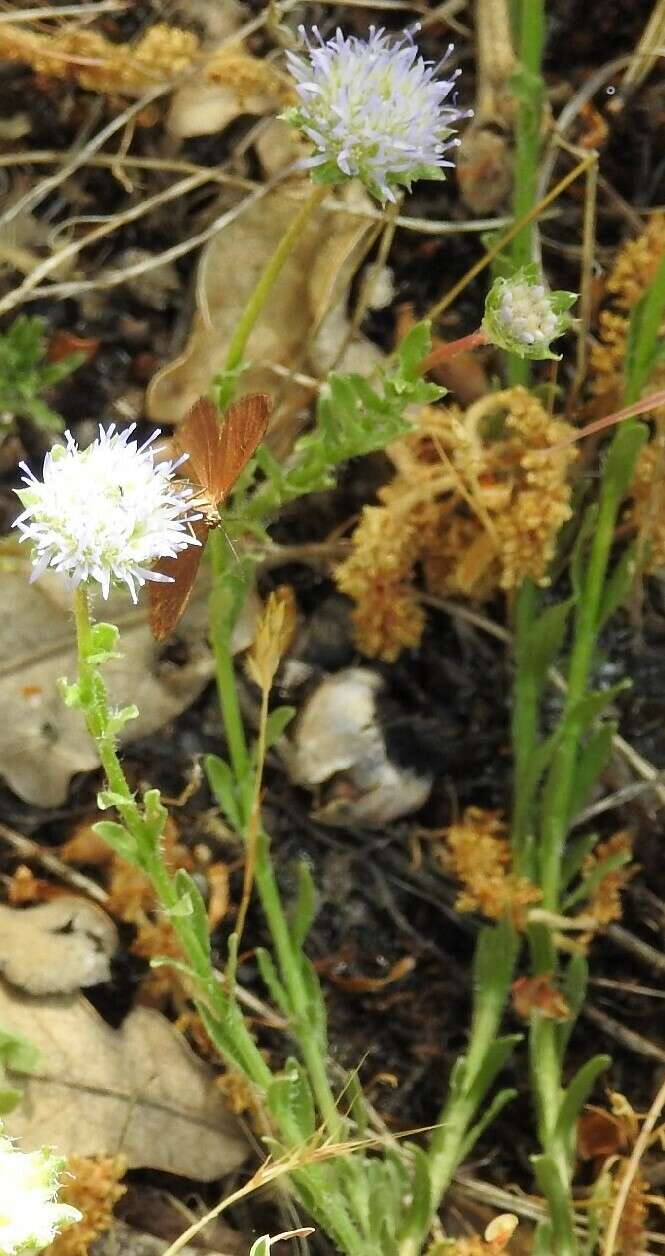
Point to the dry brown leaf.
(138, 1091)
(313, 281)
(42, 742)
(57, 947)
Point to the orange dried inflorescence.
(93, 1184)
(161, 55)
(633, 272)
(478, 852)
(604, 903)
(647, 511)
(476, 504)
(378, 576)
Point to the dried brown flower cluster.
(495, 1240)
(93, 1184)
(163, 54)
(605, 901)
(633, 271)
(647, 512)
(478, 852)
(477, 501)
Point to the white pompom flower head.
(106, 513)
(30, 1215)
(373, 109)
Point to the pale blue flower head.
(373, 109)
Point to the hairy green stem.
(224, 1023)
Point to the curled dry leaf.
(137, 1091)
(42, 742)
(313, 281)
(57, 947)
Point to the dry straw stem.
(642, 61)
(501, 243)
(632, 1168)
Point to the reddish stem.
(628, 412)
(450, 350)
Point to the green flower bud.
(522, 317)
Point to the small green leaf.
(574, 987)
(584, 713)
(17, 1053)
(118, 838)
(223, 786)
(576, 1096)
(495, 1106)
(304, 908)
(544, 641)
(188, 889)
(271, 980)
(617, 586)
(621, 458)
(290, 1101)
(591, 761)
(277, 722)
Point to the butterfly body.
(216, 452)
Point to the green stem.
(526, 693)
(225, 1024)
(290, 968)
(264, 284)
(531, 26)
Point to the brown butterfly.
(218, 451)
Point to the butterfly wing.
(219, 449)
(240, 435)
(168, 599)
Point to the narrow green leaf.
(576, 852)
(290, 1100)
(187, 888)
(544, 640)
(617, 585)
(591, 761)
(579, 554)
(622, 456)
(490, 1114)
(497, 1055)
(576, 1096)
(271, 980)
(223, 786)
(643, 346)
(277, 722)
(304, 908)
(574, 989)
(585, 712)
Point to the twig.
(631, 1171)
(37, 194)
(64, 10)
(27, 849)
(18, 295)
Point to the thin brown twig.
(631, 1171)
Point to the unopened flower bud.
(523, 317)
